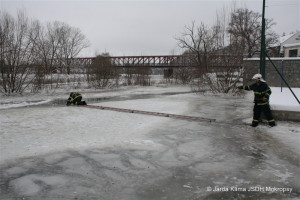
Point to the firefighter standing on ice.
(75, 98)
(262, 93)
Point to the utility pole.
(263, 43)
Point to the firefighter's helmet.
(258, 77)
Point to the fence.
(289, 68)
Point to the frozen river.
(59, 152)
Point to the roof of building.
(283, 39)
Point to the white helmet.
(258, 77)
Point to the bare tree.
(225, 60)
(103, 73)
(245, 31)
(197, 42)
(16, 53)
(56, 45)
(218, 69)
(34, 53)
(42, 56)
(47, 41)
(184, 75)
(142, 76)
(72, 43)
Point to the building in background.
(290, 45)
(287, 46)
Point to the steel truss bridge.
(214, 62)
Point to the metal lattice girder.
(151, 61)
(169, 61)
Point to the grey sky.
(145, 27)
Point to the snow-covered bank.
(284, 100)
(16, 104)
(280, 100)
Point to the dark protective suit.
(262, 94)
(75, 98)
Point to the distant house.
(290, 45)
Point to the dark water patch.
(93, 100)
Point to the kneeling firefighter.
(75, 98)
(262, 93)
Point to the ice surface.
(39, 130)
(59, 152)
(30, 185)
(34, 131)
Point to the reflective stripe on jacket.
(261, 91)
(73, 96)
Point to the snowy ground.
(50, 151)
(283, 99)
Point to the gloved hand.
(265, 99)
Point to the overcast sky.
(125, 28)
